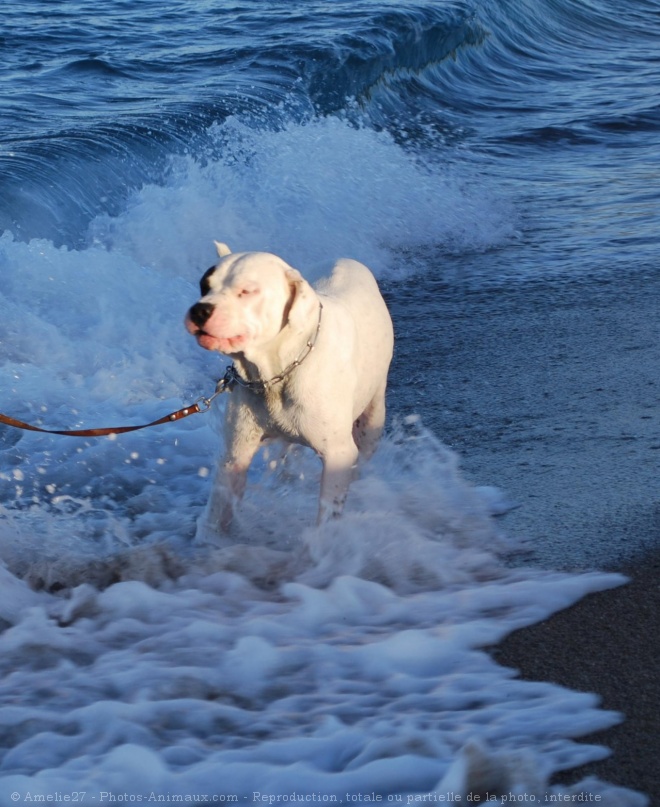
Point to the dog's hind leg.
(369, 426)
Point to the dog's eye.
(248, 292)
(205, 282)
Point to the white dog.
(310, 367)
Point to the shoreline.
(550, 391)
(595, 646)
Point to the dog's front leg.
(338, 471)
(229, 483)
(227, 492)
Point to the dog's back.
(355, 287)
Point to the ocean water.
(478, 143)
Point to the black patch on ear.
(205, 282)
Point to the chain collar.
(232, 378)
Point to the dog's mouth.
(225, 344)
(211, 341)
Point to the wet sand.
(551, 392)
(608, 644)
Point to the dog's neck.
(274, 366)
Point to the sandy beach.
(550, 391)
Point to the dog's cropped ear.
(222, 249)
(303, 302)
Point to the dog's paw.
(210, 535)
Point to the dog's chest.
(278, 413)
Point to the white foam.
(311, 193)
(212, 686)
(345, 659)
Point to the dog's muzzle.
(200, 313)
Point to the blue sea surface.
(548, 107)
(452, 146)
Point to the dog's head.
(247, 299)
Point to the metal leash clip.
(224, 384)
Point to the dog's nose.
(200, 313)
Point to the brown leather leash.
(178, 415)
(201, 405)
(230, 379)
